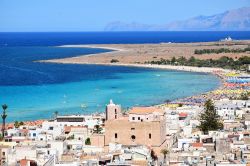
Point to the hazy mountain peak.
(237, 19)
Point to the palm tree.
(153, 156)
(164, 152)
(16, 124)
(4, 116)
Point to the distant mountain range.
(232, 20)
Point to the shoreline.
(152, 66)
(91, 46)
(141, 53)
(214, 71)
(207, 70)
(115, 49)
(174, 101)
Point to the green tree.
(173, 60)
(244, 60)
(180, 105)
(181, 60)
(191, 59)
(244, 96)
(209, 119)
(87, 141)
(114, 60)
(18, 124)
(71, 137)
(97, 129)
(4, 116)
(164, 152)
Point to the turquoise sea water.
(36, 90)
(129, 89)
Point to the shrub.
(114, 60)
(87, 141)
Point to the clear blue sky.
(93, 15)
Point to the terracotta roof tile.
(67, 129)
(183, 114)
(197, 145)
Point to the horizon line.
(123, 31)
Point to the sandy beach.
(128, 55)
(135, 55)
(141, 53)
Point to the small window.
(133, 118)
(149, 136)
(133, 137)
(115, 111)
(132, 128)
(115, 116)
(3, 153)
(115, 135)
(139, 118)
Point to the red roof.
(24, 162)
(197, 145)
(67, 129)
(183, 114)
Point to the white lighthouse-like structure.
(113, 111)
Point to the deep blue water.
(35, 90)
(54, 39)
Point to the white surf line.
(93, 46)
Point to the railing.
(51, 161)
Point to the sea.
(35, 90)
